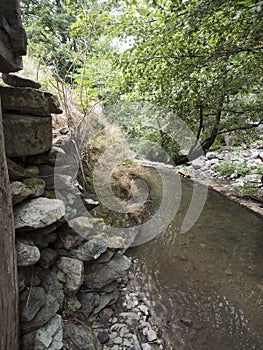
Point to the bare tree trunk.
(9, 316)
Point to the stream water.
(205, 287)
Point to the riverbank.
(235, 172)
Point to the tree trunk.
(9, 316)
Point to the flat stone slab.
(38, 213)
(26, 135)
(29, 101)
(19, 81)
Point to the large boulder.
(38, 213)
(27, 135)
(29, 101)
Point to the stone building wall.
(66, 258)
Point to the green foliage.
(227, 168)
(247, 190)
(258, 170)
(69, 309)
(201, 60)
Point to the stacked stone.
(60, 270)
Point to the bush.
(227, 168)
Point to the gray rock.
(72, 272)
(116, 242)
(103, 337)
(19, 192)
(198, 163)
(211, 155)
(146, 346)
(91, 249)
(51, 335)
(81, 337)
(38, 213)
(48, 158)
(19, 81)
(69, 238)
(87, 226)
(33, 135)
(28, 100)
(51, 284)
(64, 131)
(90, 203)
(48, 337)
(100, 275)
(45, 314)
(27, 253)
(48, 257)
(16, 171)
(31, 301)
(32, 170)
(27, 278)
(105, 300)
(151, 335)
(36, 186)
(88, 302)
(39, 239)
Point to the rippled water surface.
(206, 286)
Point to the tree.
(202, 60)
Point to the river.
(205, 287)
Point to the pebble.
(117, 340)
(103, 337)
(118, 329)
(151, 335)
(146, 346)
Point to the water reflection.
(206, 285)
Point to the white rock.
(146, 346)
(27, 253)
(151, 335)
(71, 271)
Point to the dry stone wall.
(59, 269)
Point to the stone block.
(29, 101)
(27, 135)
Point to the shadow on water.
(205, 286)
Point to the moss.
(33, 182)
(50, 194)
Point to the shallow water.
(205, 287)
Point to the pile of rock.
(130, 326)
(248, 156)
(67, 260)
